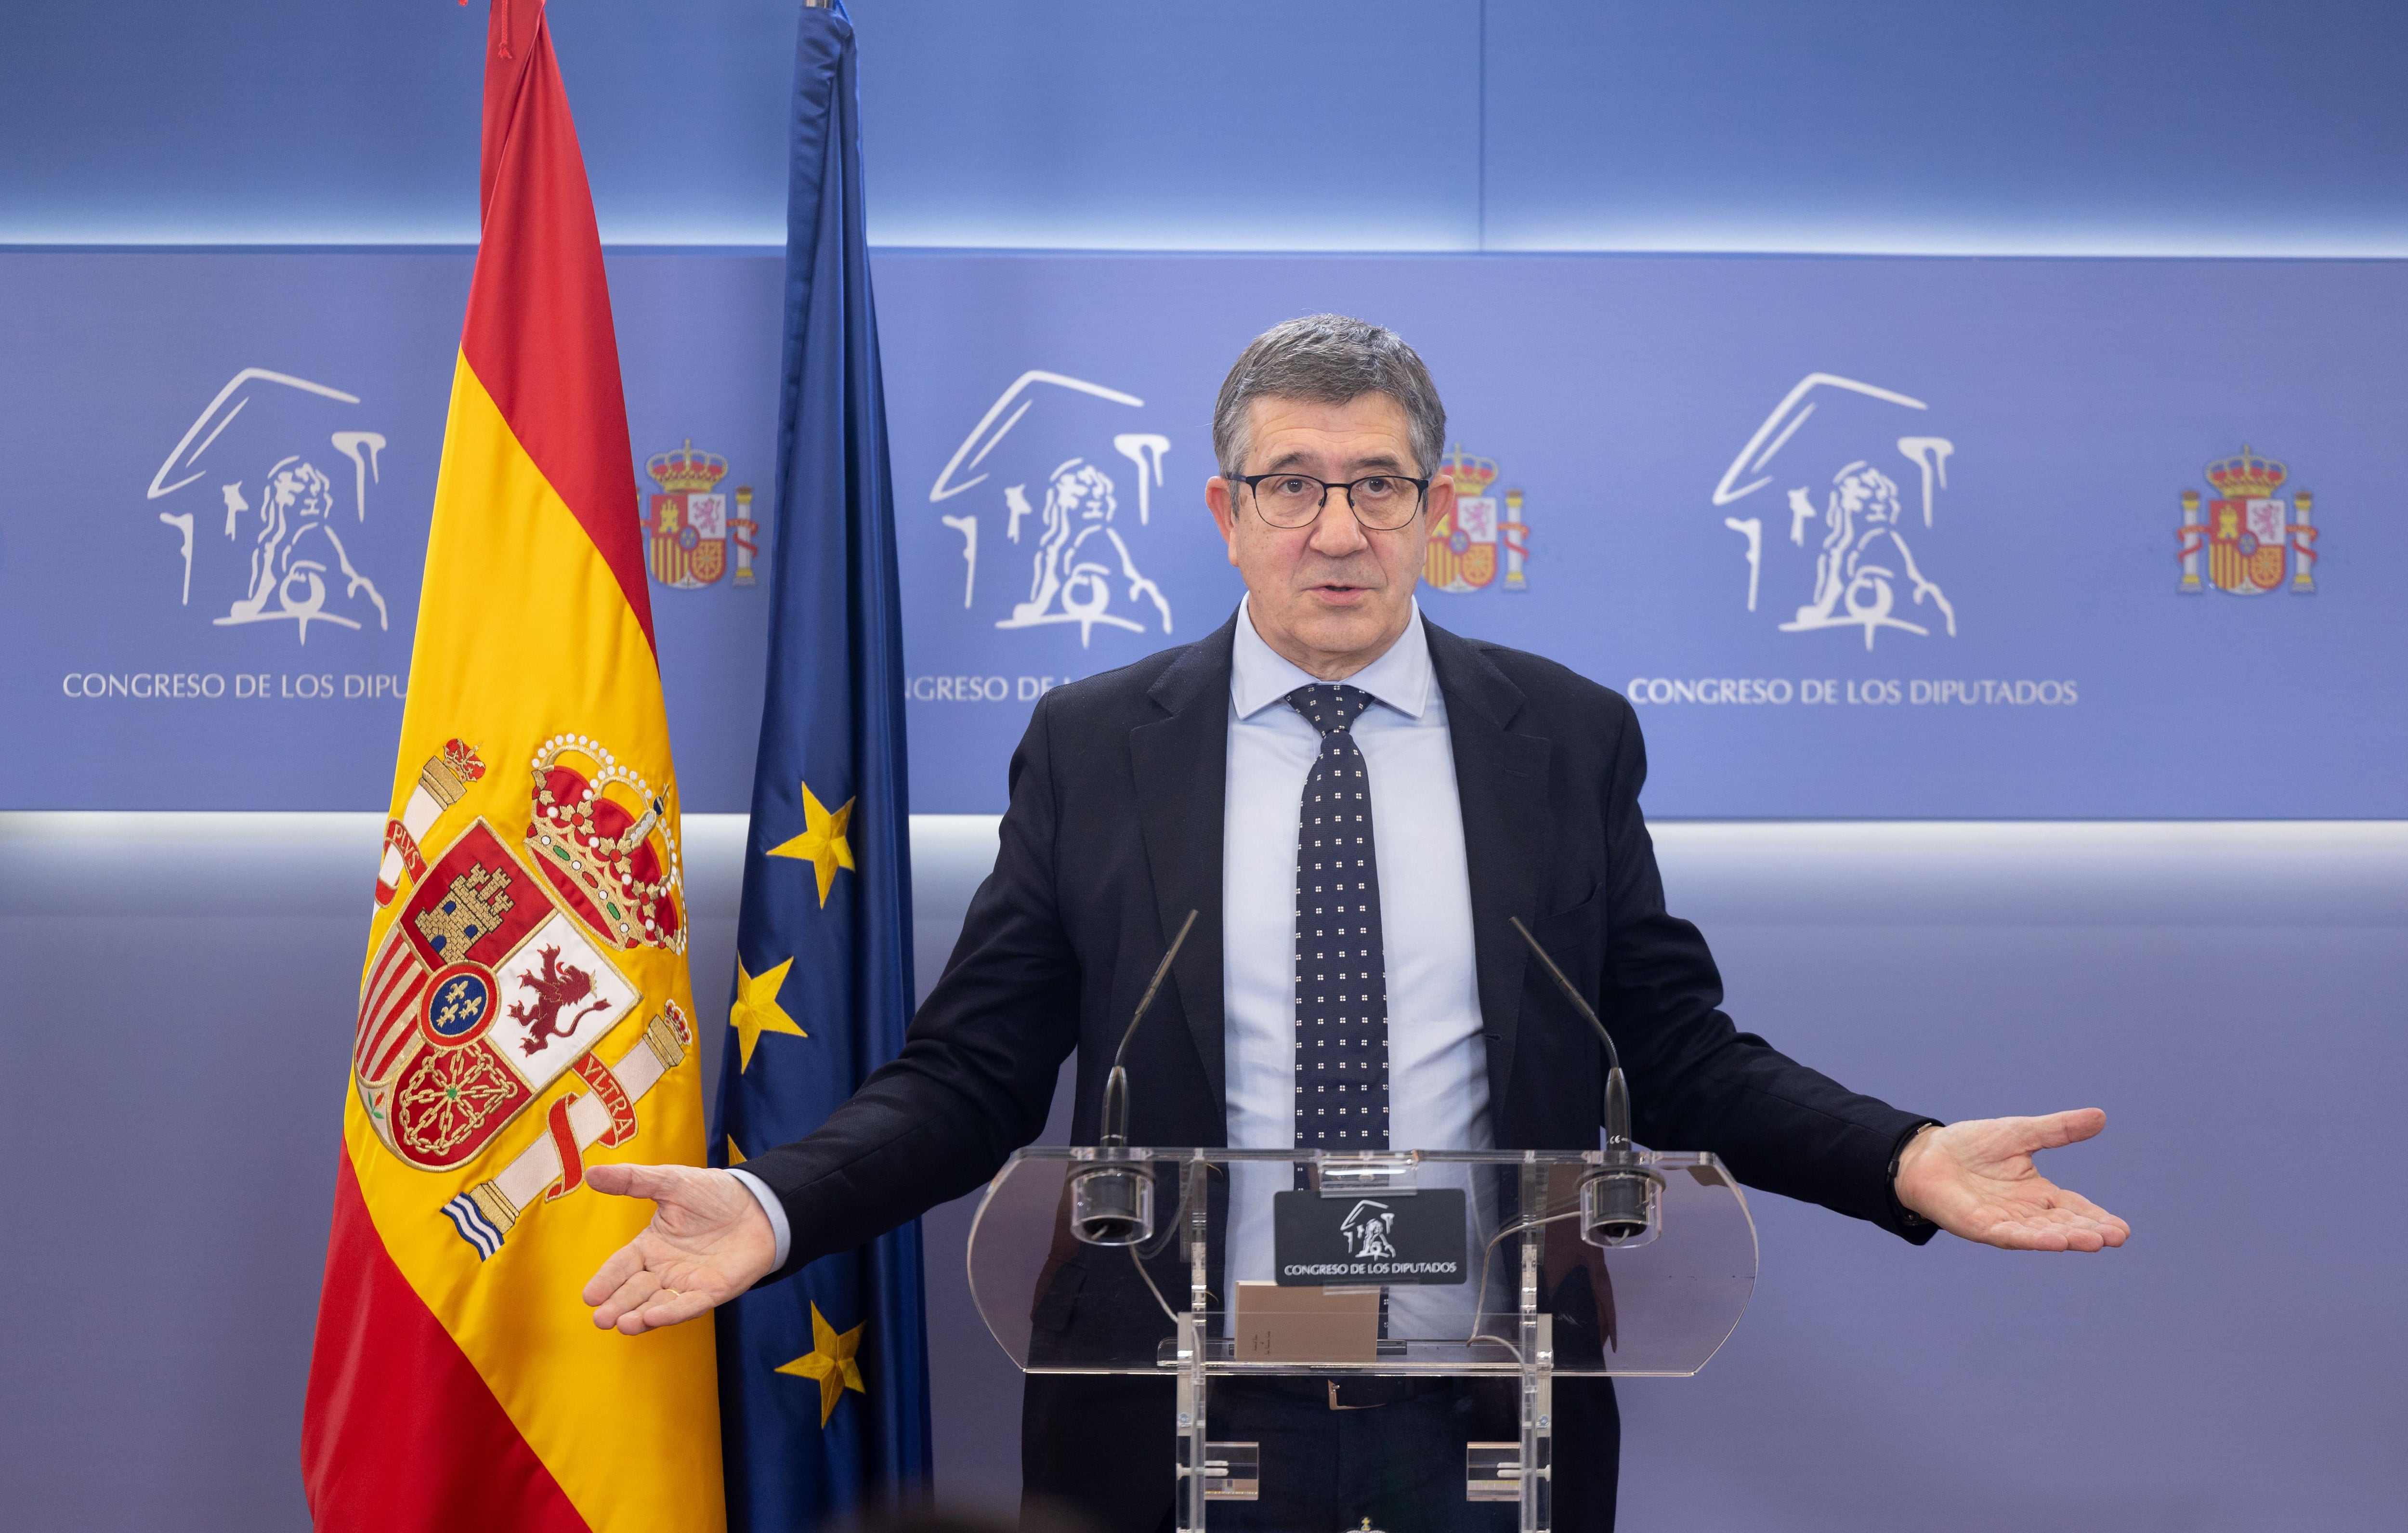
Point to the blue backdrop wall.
(1879, 537)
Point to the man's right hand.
(708, 1243)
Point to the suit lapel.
(1501, 781)
(1181, 767)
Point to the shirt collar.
(1260, 676)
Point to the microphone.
(1622, 1202)
(1113, 1204)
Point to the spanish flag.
(524, 1009)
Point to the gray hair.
(1329, 359)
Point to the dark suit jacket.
(1114, 833)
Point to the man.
(1492, 784)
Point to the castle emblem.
(2251, 532)
(687, 530)
(1462, 554)
(498, 976)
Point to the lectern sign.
(1379, 1235)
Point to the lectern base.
(1323, 1470)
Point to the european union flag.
(822, 1378)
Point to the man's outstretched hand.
(1976, 1180)
(708, 1243)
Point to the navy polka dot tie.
(1341, 982)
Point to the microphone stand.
(1111, 1204)
(1622, 1202)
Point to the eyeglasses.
(1382, 502)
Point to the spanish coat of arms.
(497, 976)
(1462, 554)
(688, 532)
(2251, 534)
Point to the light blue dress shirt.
(1438, 1062)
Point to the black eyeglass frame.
(1421, 496)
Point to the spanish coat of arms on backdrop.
(1471, 545)
(689, 539)
(2251, 534)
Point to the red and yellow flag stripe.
(453, 1385)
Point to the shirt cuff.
(770, 1206)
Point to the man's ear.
(1442, 497)
(1220, 499)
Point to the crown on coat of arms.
(2247, 477)
(1471, 475)
(603, 846)
(686, 469)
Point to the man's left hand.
(708, 1243)
(1976, 1180)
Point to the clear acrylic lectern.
(1523, 1266)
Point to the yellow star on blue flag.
(831, 1361)
(755, 1010)
(821, 844)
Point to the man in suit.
(1326, 735)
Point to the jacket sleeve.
(975, 1075)
(1697, 1082)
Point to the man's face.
(1332, 594)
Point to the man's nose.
(1335, 532)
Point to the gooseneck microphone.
(1622, 1202)
(1113, 1204)
(1115, 1134)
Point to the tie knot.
(1329, 706)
